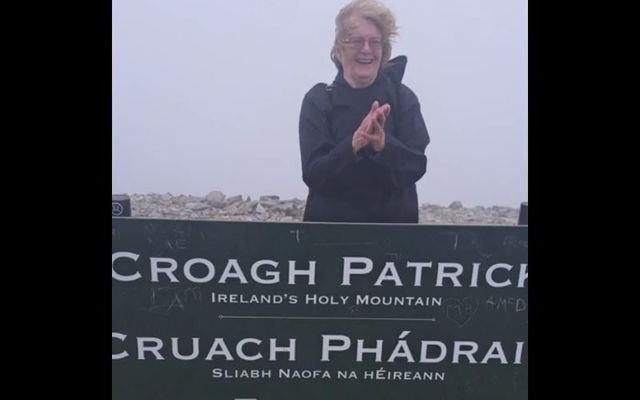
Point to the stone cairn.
(217, 206)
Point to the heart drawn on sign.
(460, 311)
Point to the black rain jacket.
(368, 186)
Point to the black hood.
(394, 68)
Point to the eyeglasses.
(357, 42)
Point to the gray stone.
(196, 206)
(215, 198)
(269, 197)
(234, 199)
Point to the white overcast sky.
(207, 93)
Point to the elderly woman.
(363, 138)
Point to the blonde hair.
(373, 11)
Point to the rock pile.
(217, 206)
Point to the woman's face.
(361, 53)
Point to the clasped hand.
(371, 130)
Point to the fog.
(207, 94)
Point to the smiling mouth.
(365, 61)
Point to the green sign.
(213, 310)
